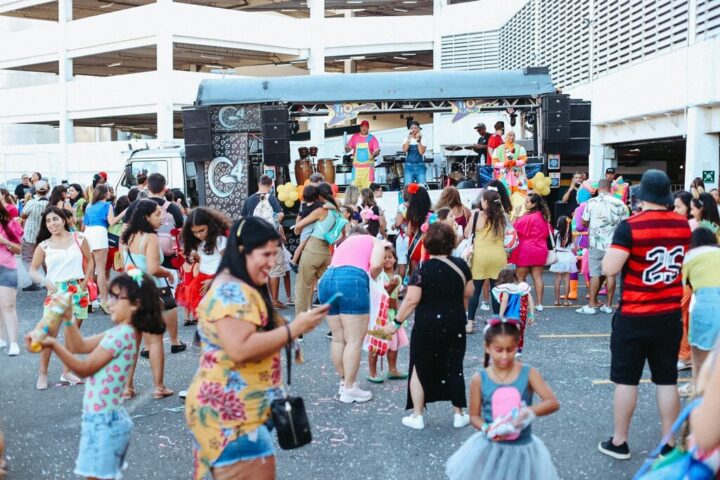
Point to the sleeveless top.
(522, 384)
(139, 260)
(325, 224)
(96, 215)
(64, 264)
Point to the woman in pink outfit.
(533, 229)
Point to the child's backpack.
(165, 237)
(264, 209)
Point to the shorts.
(8, 277)
(281, 263)
(636, 339)
(256, 444)
(704, 323)
(80, 299)
(402, 243)
(97, 237)
(104, 440)
(595, 259)
(353, 283)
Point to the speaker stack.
(566, 125)
(276, 136)
(198, 136)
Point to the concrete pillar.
(65, 75)
(164, 61)
(702, 149)
(601, 156)
(316, 65)
(438, 6)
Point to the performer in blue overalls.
(414, 162)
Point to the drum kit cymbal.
(462, 170)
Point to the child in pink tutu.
(399, 339)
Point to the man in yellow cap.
(365, 148)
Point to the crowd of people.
(141, 257)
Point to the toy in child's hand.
(509, 426)
(57, 308)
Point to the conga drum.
(303, 170)
(304, 152)
(313, 151)
(327, 168)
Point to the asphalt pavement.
(365, 441)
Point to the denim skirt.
(704, 320)
(353, 283)
(104, 440)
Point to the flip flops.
(402, 376)
(375, 379)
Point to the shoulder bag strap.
(474, 226)
(454, 267)
(552, 235)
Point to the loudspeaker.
(556, 103)
(556, 119)
(580, 111)
(276, 136)
(579, 130)
(557, 134)
(197, 133)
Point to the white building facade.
(80, 79)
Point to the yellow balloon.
(288, 185)
(283, 196)
(293, 195)
(539, 176)
(545, 191)
(289, 203)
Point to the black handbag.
(167, 297)
(289, 416)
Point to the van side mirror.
(128, 179)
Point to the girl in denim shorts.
(106, 426)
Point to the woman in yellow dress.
(228, 402)
(489, 255)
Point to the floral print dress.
(227, 400)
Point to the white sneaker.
(461, 420)
(3, 344)
(182, 395)
(586, 310)
(539, 308)
(14, 350)
(418, 423)
(606, 309)
(682, 365)
(355, 395)
(71, 378)
(484, 306)
(341, 388)
(686, 390)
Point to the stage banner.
(340, 112)
(463, 108)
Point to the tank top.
(96, 214)
(354, 252)
(522, 384)
(64, 264)
(325, 224)
(139, 260)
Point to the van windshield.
(147, 167)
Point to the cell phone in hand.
(334, 301)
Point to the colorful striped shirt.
(656, 241)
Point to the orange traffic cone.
(573, 290)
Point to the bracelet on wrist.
(397, 324)
(69, 323)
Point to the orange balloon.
(306, 182)
(530, 184)
(300, 189)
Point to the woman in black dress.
(438, 293)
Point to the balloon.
(289, 203)
(530, 184)
(335, 189)
(288, 185)
(283, 196)
(293, 195)
(299, 189)
(539, 176)
(545, 191)
(306, 182)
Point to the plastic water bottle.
(59, 304)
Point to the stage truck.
(240, 128)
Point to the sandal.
(399, 376)
(557, 304)
(375, 379)
(128, 393)
(162, 392)
(568, 303)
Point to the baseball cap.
(365, 123)
(41, 186)
(480, 125)
(655, 188)
(103, 175)
(610, 170)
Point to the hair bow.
(495, 321)
(413, 188)
(492, 189)
(135, 273)
(432, 218)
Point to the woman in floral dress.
(228, 402)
